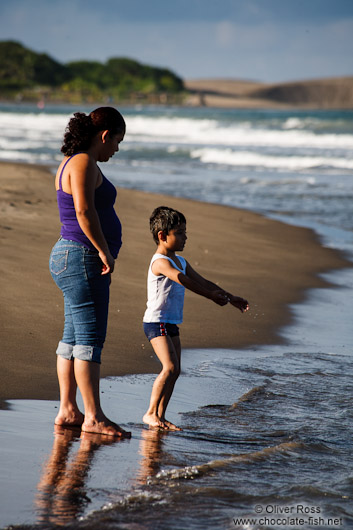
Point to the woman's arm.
(84, 179)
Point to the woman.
(82, 262)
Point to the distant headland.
(330, 93)
(28, 76)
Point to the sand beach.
(272, 264)
(268, 262)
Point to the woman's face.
(110, 145)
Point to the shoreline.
(261, 259)
(200, 101)
(332, 93)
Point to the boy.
(168, 276)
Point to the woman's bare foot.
(171, 426)
(69, 418)
(104, 426)
(91, 440)
(153, 421)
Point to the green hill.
(29, 76)
(25, 74)
(21, 68)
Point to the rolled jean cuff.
(87, 353)
(82, 352)
(65, 350)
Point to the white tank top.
(165, 298)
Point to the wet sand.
(268, 262)
(53, 476)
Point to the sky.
(262, 40)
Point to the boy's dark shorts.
(160, 329)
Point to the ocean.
(267, 431)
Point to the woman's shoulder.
(81, 158)
(75, 159)
(79, 166)
(82, 163)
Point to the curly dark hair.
(82, 128)
(165, 219)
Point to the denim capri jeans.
(77, 270)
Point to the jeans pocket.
(58, 261)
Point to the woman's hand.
(85, 177)
(108, 262)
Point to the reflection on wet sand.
(150, 449)
(61, 493)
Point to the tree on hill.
(90, 71)
(123, 75)
(22, 69)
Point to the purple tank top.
(104, 199)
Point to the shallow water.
(267, 436)
(295, 164)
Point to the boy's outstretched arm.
(236, 301)
(214, 293)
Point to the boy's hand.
(238, 302)
(219, 297)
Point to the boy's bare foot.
(73, 418)
(105, 427)
(153, 421)
(171, 426)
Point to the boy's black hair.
(165, 219)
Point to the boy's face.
(176, 239)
